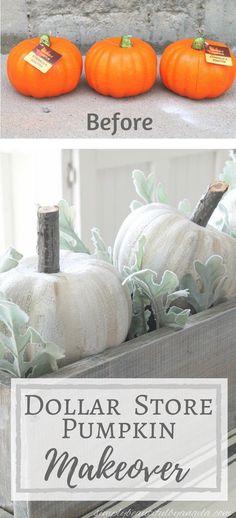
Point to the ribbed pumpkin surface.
(185, 71)
(84, 308)
(173, 242)
(121, 72)
(63, 77)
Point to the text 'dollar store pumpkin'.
(185, 71)
(83, 307)
(121, 67)
(62, 77)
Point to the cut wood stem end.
(208, 203)
(48, 240)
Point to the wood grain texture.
(205, 348)
(5, 514)
(5, 446)
(48, 240)
(208, 203)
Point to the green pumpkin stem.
(126, 42)
(45, 40)
(198, 44)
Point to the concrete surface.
(85, 21)
(66, 116)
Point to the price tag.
(42, 57)
(218, 55)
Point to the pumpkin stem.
(198, 44)
(208, 203)
(126, 42)
(48, 240)
(45, 40)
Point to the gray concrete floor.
(66, 116)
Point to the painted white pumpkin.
(173, 242)
(84, 308)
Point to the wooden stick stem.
(208, 203)
(48, 240)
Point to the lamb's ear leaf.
(172, 297)
(135, 204)
(15, 343)
(144, 185)
(161, 195)
(185, 208)
(43, 363)
(69, 239)
(213, 268)
(221, 222)
(8, 367)
(10, 259)
(160, 295)
(11, 319)
(176, 317)
(139, 323)
(229, 172)
(206, 287)
(138, 257)
(102, 251)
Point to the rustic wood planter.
(206, 348)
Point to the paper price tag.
(42, 57)
(218, 55)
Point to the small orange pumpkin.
(185, 71)
(63, 77)
(121, 67)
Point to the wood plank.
(5, 449)
(205, 348)
(53, 509)
(5, 514)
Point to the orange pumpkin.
(63, 77)
(185, 71)
(121, 67)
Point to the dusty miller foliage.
(206, 286)
(152, 298)
(23, 352)
(228, 175)
(150, 191)
(70, 240)
(195, 292)
(9, 259)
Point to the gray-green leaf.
(229, 172)
(185, 207)
(9, 259)
(206, 288)
(135, 205)
(69, 239)
(160, 295)
(101, 250)
(138, 257)
(23, 352)
(144, 185)
(139, 324)
(161, 195)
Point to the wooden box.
(206, 348)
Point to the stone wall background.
(85, 21)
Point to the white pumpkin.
(173, 242)
(84, 308)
